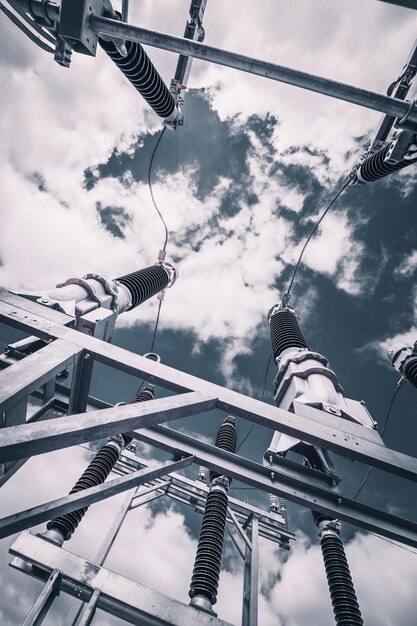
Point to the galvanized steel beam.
(44, 512)
(325, 86)
(20, 442)
(119, 596)
(298, 490)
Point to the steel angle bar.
(29, 308)
(338, 435)
(239, 528)
(22, 378)
(44, 600)
(147, 499)
(250, 577)
(408, 4)
(119, 596)
(298, 490)
(23, 441)
(44, 512)
(235, 542)
(325, 86)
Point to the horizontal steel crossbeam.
(118, 596)
(340, 436)
(187, 47)
(44, 512)
(19, 442)
(298, 490)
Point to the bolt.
(339, 500)
(272, 475)
(87, 357)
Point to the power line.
(262, 397)
(363, 483)
(307, 241)
(151, 191)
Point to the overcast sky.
(240, 185)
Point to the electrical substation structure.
(69, 327)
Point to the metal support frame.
(250, 577)
(45, 599)
(325, 86)
(44, 512)
(118, 596)
(311, 425)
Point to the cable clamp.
(333, 524)
(161, 256)
(161, 295)
(404, 119)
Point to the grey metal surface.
(19, 442)
(44, 601)
(250, 577)
(88, 611)
(296, 490)
(101, 556)
(119, 596)
(339, 436)
(44, 512)
(335, 89)
(23, 377)
(408, 4)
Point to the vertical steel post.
(250, 577)
(44, 601)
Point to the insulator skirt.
(285, 332)
(345, 604)
(226, 439)
(410, 369)
(146, 394)
(95, 474)
(206, 572)
(375, 166)
(140, 71)
(144, 283)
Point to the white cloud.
(408, 265)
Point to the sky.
(240, 186)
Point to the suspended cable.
(363, 483)
(151, 191)
(156, 325)
(307, 241)
(262, 397)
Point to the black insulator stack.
(145, 283)
(95, 474)
(375, 166)
(285, 332)
(146, 394)
(206, 572)
(342, 592)
(226, 439)
(140, 71)
(410, 369)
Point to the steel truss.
(58, 347)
